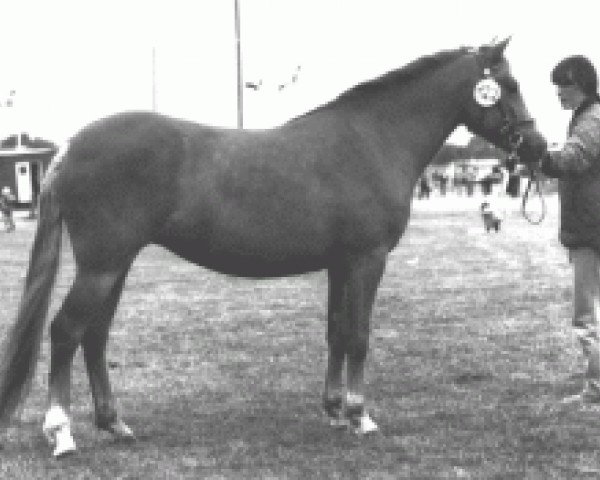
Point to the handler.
(577, 166)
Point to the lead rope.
(510, 163)
(533, 180)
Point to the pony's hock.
(331, 189)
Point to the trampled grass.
(221, 377)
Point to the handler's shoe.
(588, 396)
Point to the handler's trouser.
(586, 309)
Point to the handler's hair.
(577, 70)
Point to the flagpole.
(154, 79)
(238, 53)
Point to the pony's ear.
(492, 53)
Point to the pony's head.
(495, 109)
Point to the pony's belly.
(250, 268)
(255, 263)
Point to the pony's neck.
(419, 115)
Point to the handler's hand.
(544, 164)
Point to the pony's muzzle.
(532, 146)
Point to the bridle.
(487, 94)
(515, 139)
(511, 131)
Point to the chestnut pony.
(330, 189)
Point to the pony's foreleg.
(94, 344)
(363, 276)
(81, 306)
(333, 394)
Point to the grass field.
(221, 377)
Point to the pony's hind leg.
(94, 344)
(82, 307)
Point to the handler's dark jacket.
(577, 166)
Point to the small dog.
(491, 219)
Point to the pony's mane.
(401, 75)
(407, 73)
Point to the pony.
(328, 190)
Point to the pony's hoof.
(61, 439)
(121, 431)
(57, 430)
(64, 443)
(363, 425)
(334, 412)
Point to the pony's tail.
(21, 347)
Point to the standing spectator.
(486, 185)
(470, 186)
(443, 184)
(577, 166)
(513, 187)
(7, 200)
(424, 188)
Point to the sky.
(71, 62)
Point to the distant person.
(7, 200)
(513, 186)
(486, 185)
(497, 175)
(443, 185)
(470, 186)
(424, 188)
(577, 167)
